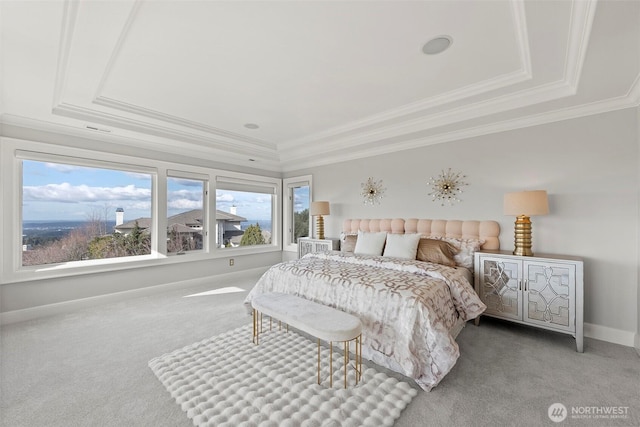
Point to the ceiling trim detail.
(129, 141)
(82, 113)
(522, 75)
(156, 115)
(582, 16)
(67, 26)
(116, 50)
(632, 99)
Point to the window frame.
(288, 185)
(13, 151)
(243, 181)
(180, 174)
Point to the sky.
(53, 192)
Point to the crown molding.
(582, 16)
(228, 145)
(118, 46)
(479, 109)
(519, 15)
(251, 143)
(68, 24)
(400, 114)
(396, 122)
(630, 100)
(634, 92)
(127, 141)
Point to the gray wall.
(589, 166)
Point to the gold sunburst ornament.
(446, 187)
(372, 191)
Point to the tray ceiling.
(324, 81)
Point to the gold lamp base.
(320, 227)
(523, 236)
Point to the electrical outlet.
(231, 261)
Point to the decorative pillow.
(437, 251)
(348, 243)
(402, 246)
(370, 243)
(466, 250)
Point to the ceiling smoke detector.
(437, 45)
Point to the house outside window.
(118, 211)
(69, 212)
(246, 213)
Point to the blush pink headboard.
(489, 231)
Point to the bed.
(413, 293)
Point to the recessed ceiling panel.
(298, 68)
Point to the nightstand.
(544, 291)
(308, 245)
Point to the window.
(296, 210)
(186, 213)
(70, 211)
(245, 213)
(74, 212)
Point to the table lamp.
(524, 204)
(319, 209)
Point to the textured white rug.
(229, 381)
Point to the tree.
(137, 242)
(301, 224)
(252, 236)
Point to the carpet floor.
(227, 381)
(90, 368)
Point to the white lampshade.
(527, 203)
(319, 208)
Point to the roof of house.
(184, 219)
(143, 223)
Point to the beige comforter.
(406, 307)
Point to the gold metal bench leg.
(330, 364)
(346, 361)
(356, 362)
(256, 330)
(360, 357)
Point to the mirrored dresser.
(545, 291)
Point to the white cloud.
(224, 197)
(185, 194)
(68, 193)
(184, 204)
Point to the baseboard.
(31, 313)
(615, 336)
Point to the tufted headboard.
(489, 231)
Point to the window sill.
(78, 268)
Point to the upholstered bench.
(323, 322)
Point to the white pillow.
(403, 246)
(370, 243)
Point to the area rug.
(229, 381)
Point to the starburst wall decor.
(372, 191)
(446, 187)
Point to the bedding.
(407, 307)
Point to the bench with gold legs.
(323, 322)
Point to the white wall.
(589, 166)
